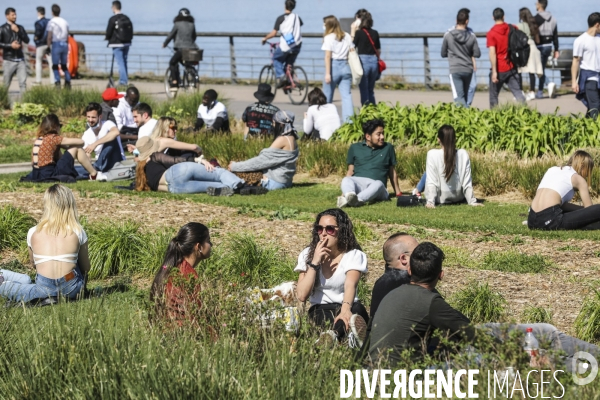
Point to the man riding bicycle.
(184, 33)
(290, 41)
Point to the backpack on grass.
(518, 47)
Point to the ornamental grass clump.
(535, 314)
(14, 225)
(65, 103)
(512, 261)
(480, 303)
(587, 323)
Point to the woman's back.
(54, 255)
(186, 35)
(458, 188)
(363, 44)
(556, 188)
(323, 118)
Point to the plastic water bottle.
(530, 344)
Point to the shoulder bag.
(382, 66)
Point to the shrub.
(14, 225)
(587, 323)
(25, 113)
(66, 103)
(533, 315)
(479, 303)
(4, 99)
(511, 261)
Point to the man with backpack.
(290, 42)
(504, 69)
(548, 37)
(119, 34)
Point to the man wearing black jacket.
(41, 45)
(12, 39)
(119, 33)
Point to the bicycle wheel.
(170, 93)
(191, 82)
(267, 75)
(298, 93)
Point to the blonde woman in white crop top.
(330, 268)
(551, 208)
(58, 249)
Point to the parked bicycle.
(189, 81)
(297, 86)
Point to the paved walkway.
(240, 96)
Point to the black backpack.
(124, 29)
(518, 47)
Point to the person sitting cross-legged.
(370, 163)
(59, 250)
(398, 327)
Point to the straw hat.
(146, 147)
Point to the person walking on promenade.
(503, 71)
(337, 44)
(548, 37)
(119, 34)
(290, 41)
(58, 37)
(12, 38)
(460, 47)
(586, 65)
(41, 47)
(534, 66)
(368, 47)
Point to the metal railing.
(403, 66)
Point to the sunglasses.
(329, 229)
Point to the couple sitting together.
(373, 161)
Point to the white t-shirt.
(82, 236)
(210, 116)
(89, 137)
(339, 50)
(327, 291)
(587, 48)
(323, 118)
(59, 28)
(460, 185)
(291, 25)
(123, 114)
(147, 128)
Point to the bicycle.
(297, 87)
(189, 81)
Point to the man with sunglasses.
(370, 163)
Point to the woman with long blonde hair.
(337, 44)
(59, 250)
(551, 208)
(166, 127)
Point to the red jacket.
(498, 37)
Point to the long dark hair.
(346, 239)
(525, 16)
(316, 97)
(181, 246)
(447, 137)
(50, 125)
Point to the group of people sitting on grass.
(407, 312)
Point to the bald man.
(396, 253)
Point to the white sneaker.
(530, 96)
(101, 177)
(551, 89)
(352, 199)
(342, 201)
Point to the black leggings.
(324, 314)
(174, 65)
(555, 218)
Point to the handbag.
(355, 66)
(289, 37)
(380, 62)
(409, 201)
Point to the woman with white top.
(337, 44)
(330, 268)
(448, 172)
(551, 210)
(57, 247)
(321, 119)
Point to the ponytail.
(447, 137)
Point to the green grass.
(511, 261)
(587, 323)
(480, 303)
(4, 99)
(15, 153)
(14, 225)
(534, 314)
(66, 103)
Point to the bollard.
(232, 60)
(427, 63)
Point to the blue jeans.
(366, 189)
(270, 184)
(461, 82)
(120, 54)
(281, 59)
(191, 177)
(341, 76)
(18, 287)
(60, 53)
(545, 51)
(421, 184)
(370, 66)
(472, 89)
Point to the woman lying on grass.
(551, 210)
(278, 161)
(447, 178)
(160, 172)
(174, 292)
(330, 268)
(58, 249)
(46, 158)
